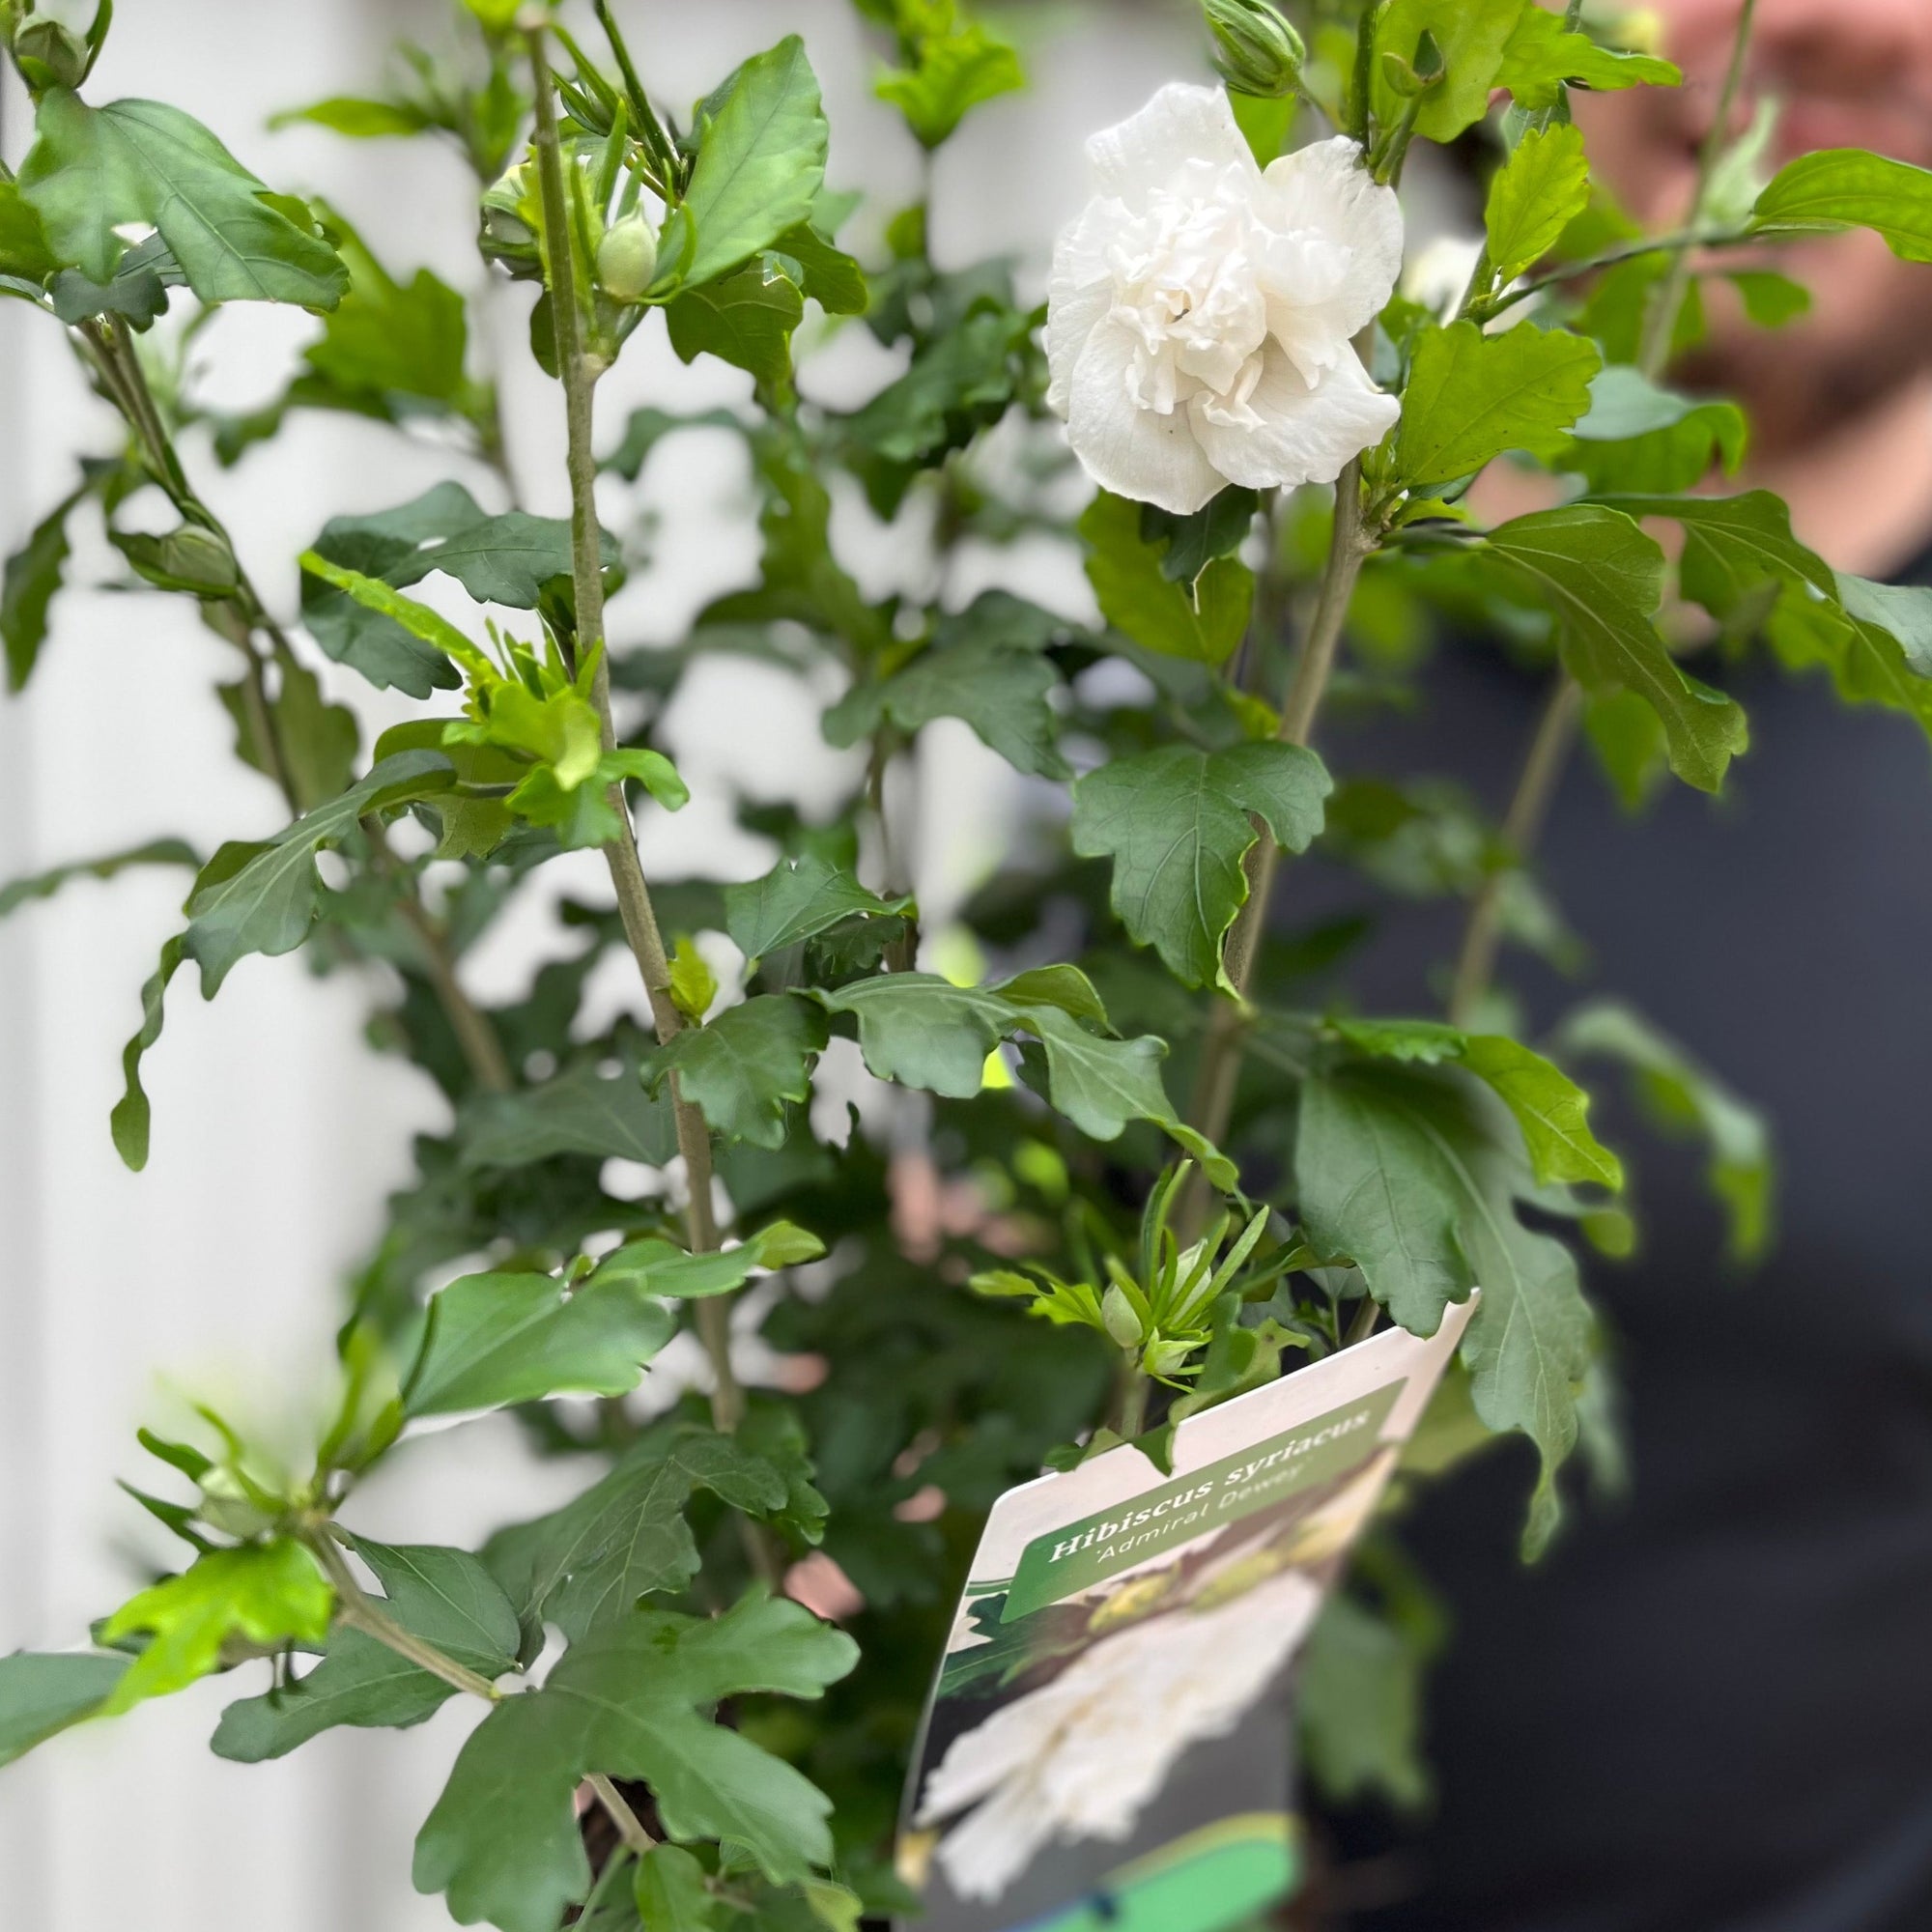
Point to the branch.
(362, 1611)
(629, 1827)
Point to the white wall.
(277, 1132)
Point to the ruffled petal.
(1079, 290)
(1326, 187)
(1293, 432)
(1181, 123)
(1134, 452)
(1071, 317)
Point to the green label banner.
(1065, 1561)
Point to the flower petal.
(1296, 433)
(1132, 451)
(1181, 123)
(1326, 187)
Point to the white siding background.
(277, 1132)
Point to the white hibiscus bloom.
(1200, 309)
(1081, 1757)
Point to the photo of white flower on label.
(1200, 308)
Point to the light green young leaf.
(446, 1597)
(741, 1071)
(1543, 56)
(1472, 396)
(1603, 578)
(833, 278)
(1627, 737)
(91, 171)
(1542, 186)
(762, 146)
(796, 900)
(746, 317)
(45, 885)
(264, 898)
(1138, 599)
(27, 589)
(42, 1694)
(1849, 188)
(1178, 823)
(357, 118)
(586, 1565)
(24, 252)
(954, 72)
(497, 1339)
(634, 1702)
(268, 1592)
(1471, 35)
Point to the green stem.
(356, 1607)
(629, 1827)
(1364, 1324)
(1681, 242)
(1131, 1403)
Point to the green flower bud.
(1163, 1358)
(1118, 1313)
(1256, 51)
(227, 1506)
(510, 223)
(49, 55)
(627, 258)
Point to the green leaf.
(1138, 599)
(587, 1564)
(497, 1339)
(1686, 1098)
(1848, 188)
(796, 900)
(761, 144)
(1472, 396)
(1542, 186)
(1177, 824)
(1193, 542)
(42, 1694)
(659, 1268)
(1471, 36)
(1360, 1693)
(999, 691)
(27, 589)
(1639, 438)
(1627, 737)
(634, 1702)
(833, 279)
(742, 1070)
(270, 1593)
(93, 170)
(671, 1894)
(264, 898)
(1398, 1168)
(23, 242)
(357, 118)
(1603, 580)
(317, 741)
(745, 318)
(1543, 56)
(1904, 610)
(1733, 548)
(45, 885)
(446, 1597)
(589, 1109)
(953, 73)
(1770, 299)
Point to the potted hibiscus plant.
(703, 1677)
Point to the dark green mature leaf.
(1734, 547)
(761, 144)
(1001, 692)
(745, 318)
(1178, 823)
(269, 1592)
(591, 1109)
(443, 1596)
(1603, 578)
(1543, 56)
(952, 74)
(1470, 36)
(1849, 188)
(1542, 186)
(634, 1702)
(44, 1692)
(656, 1266)
(742, 1068)
(264, 898)
(796, 900)
(1398, 1168)
(27, 590)
(138, 291)
(833, 278)
(1472, 396)
(587, 1564)
(1642, 439)
(1686, 1098)
(645, 428)
(1194, 542)
(45, 885)
(93, 170)
(497, 1339)
(1203, 624)
(1358, 1698)
(671, 1893)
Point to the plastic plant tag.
(1110, 1740)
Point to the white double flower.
(1200, 308)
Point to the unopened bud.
(626, 259)
(1256, 51)
(1411, 78)
(227, 1506)
(1163, 1358)
(49, 54)
(1121, 1322)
